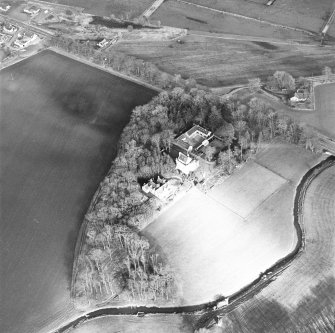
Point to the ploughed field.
(60, 124)
(221, 241)
(214, 61)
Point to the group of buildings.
(187, 149)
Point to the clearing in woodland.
(217, 246)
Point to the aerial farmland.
(167, 166)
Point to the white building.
(186, 164)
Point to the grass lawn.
(305, 14)
(132, 8)
(219, 62)
(221, 241)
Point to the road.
(148, 12)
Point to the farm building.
(162, 188)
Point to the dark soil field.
(304, 14)
(181, 15)
(132, 8)
(218, 62)
(60, 124)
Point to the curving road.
(249, 291)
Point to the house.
(9, 28)
(25, 40)
(189, 146)
(162, 188)
(5, 8)
(301, 95)
(33, 10)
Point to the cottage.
(161, 188)
(301, 95)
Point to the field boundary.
(104, 69)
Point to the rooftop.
(193, 138)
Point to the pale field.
(216, 251)
(296, 160)
(247, 189)
(302, 298)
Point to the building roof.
(184, 158)
(193, 138)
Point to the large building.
(189, 147)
